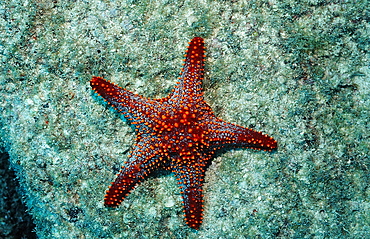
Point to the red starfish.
(178, 133)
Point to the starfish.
(179, 133)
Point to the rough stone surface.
(296, 71)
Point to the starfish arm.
(227, 135)
(135, 108)
(143, 160)
(189, 88)
(190, 178)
